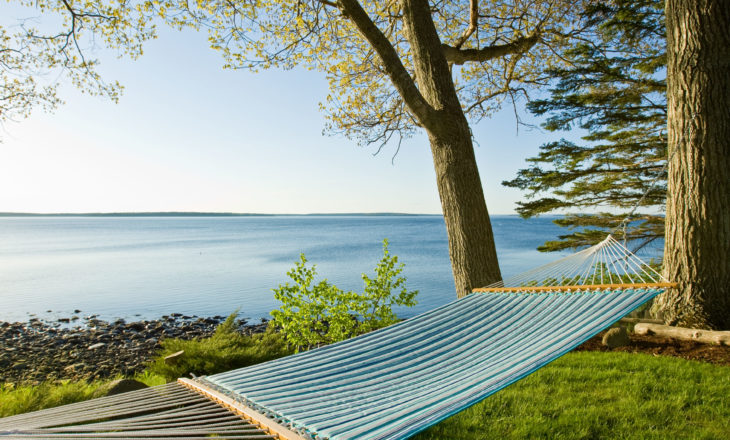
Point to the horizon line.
(208, 214)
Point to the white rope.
(608, 262)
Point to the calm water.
(144, 267)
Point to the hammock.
(388, 384)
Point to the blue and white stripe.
(397, 381)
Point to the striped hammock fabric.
(397, 381)
(393, 383)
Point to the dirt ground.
(659, 346)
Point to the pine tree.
(615, 90)
(697, 248)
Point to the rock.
(118, 386)
(74, 367)
(49, 350)
(616, 337)
(20, 366)
(136, 326)
(174, 358)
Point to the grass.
(583, 395)
(225, 350)
(25, 398)
(590, 395)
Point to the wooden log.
(686, 334)
(640, 320)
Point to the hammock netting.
(397, 381)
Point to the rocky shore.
(40, 350)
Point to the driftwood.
(638, 320)
(687, 334)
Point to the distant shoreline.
(209, 214)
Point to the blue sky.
(190, 136)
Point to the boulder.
(118, 386)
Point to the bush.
(225, 350)
(316, 314)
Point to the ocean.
(146, 267)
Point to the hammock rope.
(387, 384)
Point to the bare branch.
(473, 23)
(460, 56)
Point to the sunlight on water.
(150, 266)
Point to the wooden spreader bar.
(577, 287)
(238, 408)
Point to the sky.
(188, 135)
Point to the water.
(145, 267)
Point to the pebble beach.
(89, 348)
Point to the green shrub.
(315, 314)
(225, 350)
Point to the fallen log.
(687, 334)
(638, 320)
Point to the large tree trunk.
(697, 241)
(471, 241)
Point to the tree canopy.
(49, 40)
(497, 50)
(614, 88)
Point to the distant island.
(196, 214)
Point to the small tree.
(311, 314)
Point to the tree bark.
(697, 240)
(471, 241)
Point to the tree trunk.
(697, 241)
(471, 241)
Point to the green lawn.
(589, 395)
